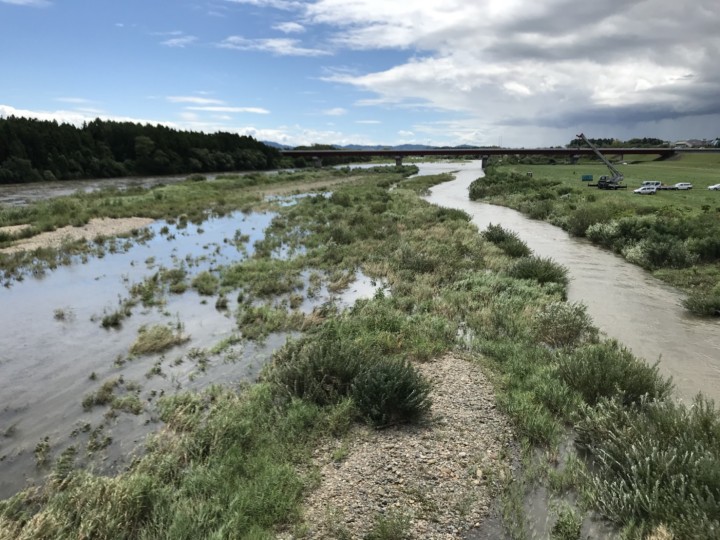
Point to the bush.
(391, 392)
(607, 369)
(560, 324)
(321, 367)
(704, 304)
(543, 270)
(506, 240)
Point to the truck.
(613, 181)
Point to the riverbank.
(244, 460)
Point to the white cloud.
(72, 117)
(223, 109)
(554, 64)
(335, 111)
(277, 4)
(74, 100)
(368, 122)
(33, 3)
(290, 27)
(194, 100)
(276, 46)
(179, 42)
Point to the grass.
(157, 338)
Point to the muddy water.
(48, 364)
(626, 302)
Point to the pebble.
(418, 471)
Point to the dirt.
(54, 239)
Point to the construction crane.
(605, 182)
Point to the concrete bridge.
(483, 153)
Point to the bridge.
(483, 153)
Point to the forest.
(37, 150)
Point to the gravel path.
(441, 477)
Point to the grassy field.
(235, 462)
(674, 234)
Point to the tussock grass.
(157, 338)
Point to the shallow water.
(46, 363)
(625, 301)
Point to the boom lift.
(605, 182)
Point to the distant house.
(693, 143)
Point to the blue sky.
(485, 72)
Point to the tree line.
(34, 150)
(644, 142)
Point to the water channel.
(626, 302)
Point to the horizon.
(366, 72)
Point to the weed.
(391, 526)
(567, 524)
(560, 324)
(206, 283)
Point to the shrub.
(705, 304)
(321, 367)
(608, 369)
(391, 392)
(506, 240)
(543, 270)
(656, 462)
(560, 324)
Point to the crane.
(605, 182)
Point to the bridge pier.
(574, 159)
(398, 161)
(317, 162)
(484, 161)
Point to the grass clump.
(560, 324)
(391, 526)
(541, 269)
(655, 463)
(506, 240)
(157, 338)
(567, 526)
(391, 392)
(607, 369)
(206, 283)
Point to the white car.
(646, 190)
(683, 185)
(715, 187)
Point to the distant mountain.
(277, 145)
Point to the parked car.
(683, 185)
(715, 187)
(651, 183)
(646, 190)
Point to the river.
(625, 301)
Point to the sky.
(515, 73)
